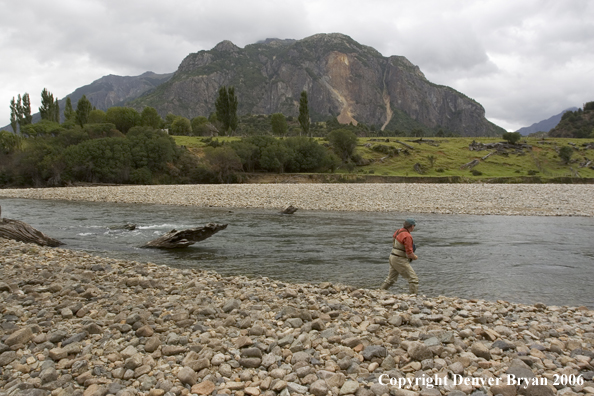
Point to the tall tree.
(222, 108)
(278, 122)
(68, 110)
(27, 117)
(233, 120)
(46, 110)
(14, 115)
(304, 113)
(226, 108)
(83, 108)
(57, 111)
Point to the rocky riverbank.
(76, 324)
(481, 199)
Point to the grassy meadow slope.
(443, 157)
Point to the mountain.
(114, 90)
(343, 78)
(544, 125)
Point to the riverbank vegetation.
(124, 146)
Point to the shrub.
(343, 143)
(141, 176)
(181, 126)
(512, 137)
(565, 154)
(476, 172)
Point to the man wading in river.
(401, 257)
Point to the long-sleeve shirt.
(404, 237)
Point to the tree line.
(122, 145)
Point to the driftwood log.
(23, 232)
(470, 164)
(180, 239)
(488, 155)
(426, 141)
(289, 210)
(405, 145)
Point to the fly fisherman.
(401, 256)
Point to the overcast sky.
(523, 60)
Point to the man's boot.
(413, 288)
(385, 286)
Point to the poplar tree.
(26, 114)
(46, 110)
(13, 115)
(304, 113)
(20, 112)
(68, 110)
(83, 108)
(222, 108)
(233, 120)
(57, 111)
(226, 108)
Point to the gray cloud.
(524, 61)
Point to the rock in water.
(289, 210)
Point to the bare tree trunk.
(184, 238)
(23, 232)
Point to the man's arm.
(408, 246)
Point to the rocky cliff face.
(343, 78)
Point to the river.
(523, 259)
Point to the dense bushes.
(294, 154)
(124, 146)
(144, 155)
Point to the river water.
(524, 259)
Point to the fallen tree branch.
(405, 145)
(488, 155)
(470, 164)
(184, 238)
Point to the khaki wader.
(400, 265)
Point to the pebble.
(160, 331)
(476, 198)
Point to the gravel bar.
(73, 324)
(478, 199)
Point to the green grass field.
(445, 156)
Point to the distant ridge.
(544, 125)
